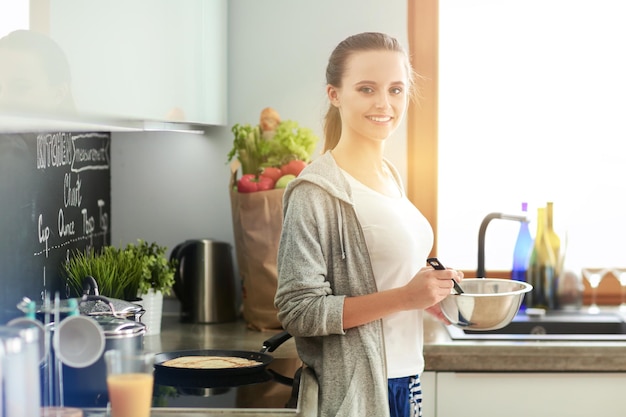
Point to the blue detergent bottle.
(521, 253)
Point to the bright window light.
(532, 108)
(13, 16)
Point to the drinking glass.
(594, 277)
(620, 274)
(130, 382)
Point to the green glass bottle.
(541, 268)
(553, 239)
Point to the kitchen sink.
(555, 325)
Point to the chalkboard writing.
(55, 198)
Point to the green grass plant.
(122, 273)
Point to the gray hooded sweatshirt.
(322, 259)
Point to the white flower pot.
(152, 302)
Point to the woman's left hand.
(436, 311)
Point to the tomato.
(265, 183)
(249, 183)
(293, 167)
(272, 172)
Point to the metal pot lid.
(98, 307)
(118, 327)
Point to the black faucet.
(480, 271)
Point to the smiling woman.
(516, 115)
(352, 286)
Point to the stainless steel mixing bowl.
(486, 304)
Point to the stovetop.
(264, 389)
(259, 395)
(274, 387)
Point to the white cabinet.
(530, 394)
(428, 380)
(145, 59)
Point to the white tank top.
(399, 239)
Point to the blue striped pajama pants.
(405, 394)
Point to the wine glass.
(620, 274)
(594, 277)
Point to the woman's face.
(373, 96)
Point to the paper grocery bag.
(257, 224)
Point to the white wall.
(168, 187)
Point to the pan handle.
(275, 341)
(282, 379)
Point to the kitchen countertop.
(441, 353)
(225, 336)
(231, 335)
(198, 412)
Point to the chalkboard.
(55, 198)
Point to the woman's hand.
(436, 311)
(424, 291)
(429, 286)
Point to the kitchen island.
(473, 367)
(231, 335)
(441, 352)
(235, 336)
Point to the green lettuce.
(255, 149)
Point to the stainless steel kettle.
(204, 281)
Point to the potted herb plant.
(158, 272)
(140, 272)
(116, 271)
(156, 281)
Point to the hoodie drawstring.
(340, 221)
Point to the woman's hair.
(367, 41)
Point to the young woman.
(353, 283)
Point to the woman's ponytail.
(332, 128)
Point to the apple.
(249, 183)
(272, 172)
(284, 180)
(293, 167)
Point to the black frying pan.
(167, 374)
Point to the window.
(531, 107)
(13, 16)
